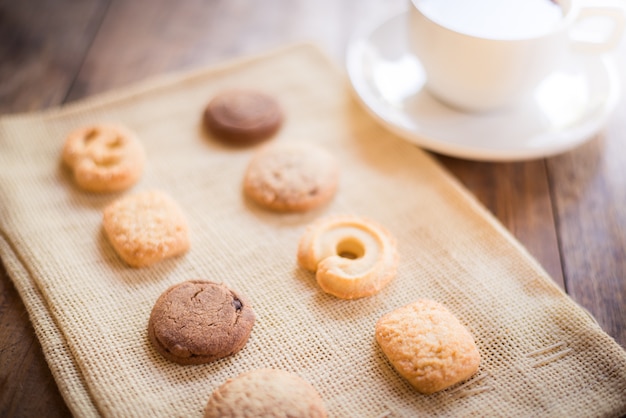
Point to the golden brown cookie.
(243, 116)
(104, 158)
(265, 393)
(291, 177)
(146, 227)
(199, 321)
(352, 257)
(428, 345)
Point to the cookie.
(291, 177)
(146, 227)
(199, 321)
(243, 117)
(428, 345)
(265, 393)
(352, 257)
(104, 158)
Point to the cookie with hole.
(352, 257)
(104, 158)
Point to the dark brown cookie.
(199, 321)
(243, 116)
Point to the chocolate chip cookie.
(200, 321)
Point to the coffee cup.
(483, 55)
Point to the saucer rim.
(587, 127)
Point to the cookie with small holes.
(104, 158)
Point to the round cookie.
(104, 158)
(352, 257)
(265, 393)
(291, 177)
(243, 116)
(199, 321)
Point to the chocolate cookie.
(265, 393)
(199, 321)
(243, 116)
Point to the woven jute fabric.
(542, 355)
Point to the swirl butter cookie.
(104, 158)
(146, 227)
(427, 345)
(242, 116)
(291, 177)
(265, 393)
(199, 321)
(352, 257)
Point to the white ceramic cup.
(481, 74)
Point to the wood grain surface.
(569, 211)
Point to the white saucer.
(566, 110)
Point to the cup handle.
(614, 14)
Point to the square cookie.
(428, 345)
(146, 227)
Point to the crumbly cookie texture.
(104, 158)
(146, 227)
(243, 116)
(199, 321)
(291, 177)
(352, 257)
(265, 393)
(428, 345)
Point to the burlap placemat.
(542, 354)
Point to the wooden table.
(569, 210)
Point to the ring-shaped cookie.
(352, 257)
